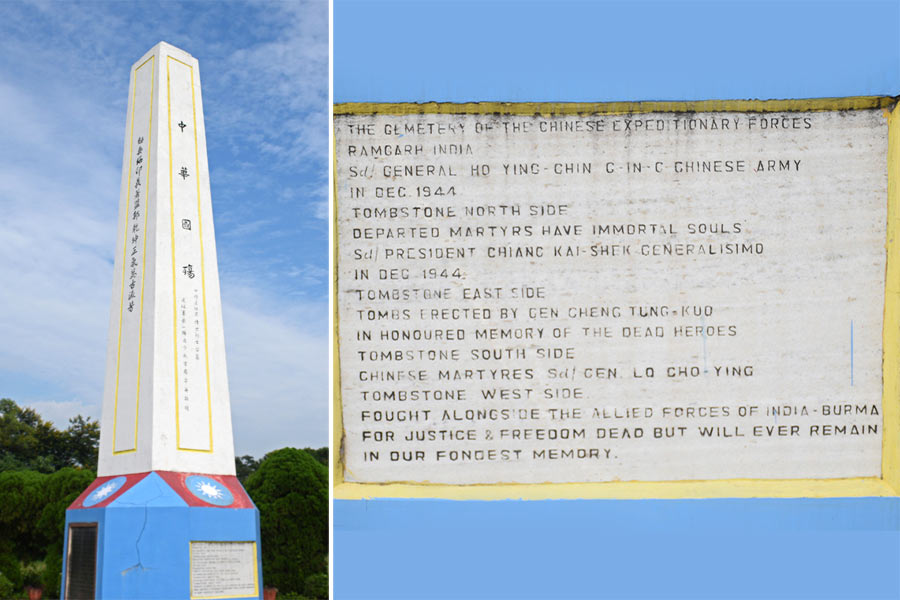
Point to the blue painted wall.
(144, 535)
(602, 51)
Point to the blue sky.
(64, 70)
(608, 50)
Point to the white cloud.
(58, 195)
(59, 412)
(282, 79)
(320, 209)
(277, 368)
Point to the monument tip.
(167, 48)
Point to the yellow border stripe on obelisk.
(202, 265)
(124, 261)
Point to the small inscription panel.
(223, 570)
(630, 297)
(81, 565)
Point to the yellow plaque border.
(886, 485)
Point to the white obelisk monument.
(166, 517)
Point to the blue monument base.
(162, 535)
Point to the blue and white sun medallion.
(104, 491)
(209, 490)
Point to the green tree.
(316, 586)
(29, 442)
(82, 442)
(42, 471)
(320, 454)
(245, 466)
(10, 569)
(61, 489)
(19, 440)
(33, 507)
(7, 587)
(290, 488)
(22, 500)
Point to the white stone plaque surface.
(651, 297)
(223, 570)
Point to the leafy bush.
(33, 574)
(32, 521)
(37, 484)
(11, 571)
(33, 508)
(60, 490)
(51, 578)
(290, 488)
(6, 587)
(316, 586)
(22, 500)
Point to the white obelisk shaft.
(165, 404)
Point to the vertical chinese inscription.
(661, 296)
(193, 401)
(131, 309)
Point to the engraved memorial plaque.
(223, 570)
(81, 562)
(610, 295)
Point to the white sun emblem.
(104, 491)
(208, 489)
